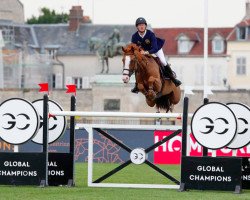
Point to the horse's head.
(129, 61)
(130, 49)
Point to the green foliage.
(49, 17)
(130, 174)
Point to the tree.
(49, 17)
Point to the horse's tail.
(164, 102)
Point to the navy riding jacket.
(149, 42)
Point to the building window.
(218, 44)
(242, 33)
(241, 66)
(199, 75)
(53, 81)
(111, 104)
(183, 44)
(86, 82)
(216, 75)
(78, 82)
(52, 53)
(8, 72)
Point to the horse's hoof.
(151, 95)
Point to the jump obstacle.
(99, 128)
(186, 160)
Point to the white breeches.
(161, 56)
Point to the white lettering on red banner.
(170, 151)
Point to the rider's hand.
(144, 52)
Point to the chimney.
(75, 17)
(247, 9)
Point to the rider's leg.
(161, 56)
(167, 70)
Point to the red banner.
(170, 151)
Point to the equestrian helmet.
(140, 20)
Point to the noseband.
(130, 72)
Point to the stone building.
(239, 53)
(12, 10)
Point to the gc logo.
(12, 122)
(138, 156)
(214, 125)
(242, 113)
(57, 124)
(19, 121)
(210, 127)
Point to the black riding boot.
(135, 89)
(171, 75)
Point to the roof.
(57, 35)
(244, 23)
(195, 34)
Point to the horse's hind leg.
(102, 66)
(176, 96)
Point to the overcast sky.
(159, 13)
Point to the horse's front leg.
(150, 103)
(141, 88)
(151, 87)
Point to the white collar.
(142, 36)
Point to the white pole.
(117, 114)
(90, 156)
(205, 47)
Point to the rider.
(151, 45)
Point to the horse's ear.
(123, 49)
(133, 47)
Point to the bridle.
(130, 72)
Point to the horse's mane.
(134, 50)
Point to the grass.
(130, 174)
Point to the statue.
(106, 49)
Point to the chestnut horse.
(162, 93)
